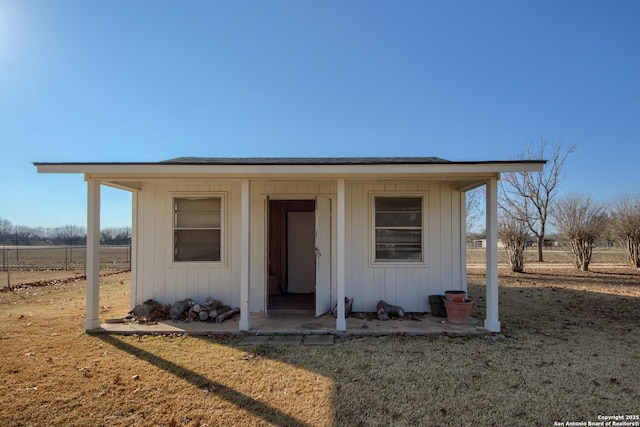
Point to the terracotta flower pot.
(458, 312)
(455, 294)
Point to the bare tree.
(70, 234)
(626, 224)
(581, 221)
(474, 209)
(5, 231)
(115, 236)
(513, 235)
(528, 196)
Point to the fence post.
(66, 258)
(8, 271)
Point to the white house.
(274, 234)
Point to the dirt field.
(569, 351)
(609, 256)
(29, 264)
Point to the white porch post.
(245, 315)
(492, 322)
(93, 255)
(341, 322)
(133, 255)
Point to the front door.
(299, 255)
(301, 258)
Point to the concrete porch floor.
(301, 324)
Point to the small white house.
(296, 234)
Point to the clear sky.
(462, 80)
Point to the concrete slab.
(286, 339)
(254, 340)
(303, 324)
(318, 340)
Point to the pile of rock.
(387, 311)
(212, 309)
(187, 309)
(148, 312)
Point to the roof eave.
(235, 170)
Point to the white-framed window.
(198, 233)
(398, 230)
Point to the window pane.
(210, 204)
(197, 245)
(398, 204)
(398, 233)
(398, 236)
(398, 219)
(197, 219)
(398, 253)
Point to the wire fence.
(27, 264)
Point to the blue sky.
(462, 80)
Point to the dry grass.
(606, 256)
(568, 352)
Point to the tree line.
(66, 235)
(529, 202)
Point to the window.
(398, 229)
(197, 229)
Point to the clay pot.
(450, 295)
(458, 312)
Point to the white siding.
(157, 278)
(405, 285)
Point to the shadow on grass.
(266, 412)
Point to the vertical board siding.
(407, 286)
(446, 252)
(353, 247)
(166, 283)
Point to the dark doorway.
(291, 247)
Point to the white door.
(323, 255)
(301, 259)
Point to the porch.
(420, 249)
(302, 324)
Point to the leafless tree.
(528, 196)
(581, 221)
(70, 234)
(115, 236)
(513, 235)
(474, 209)
(5, 231)
(626, 224)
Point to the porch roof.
(132, 175)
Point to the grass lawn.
(569, 351)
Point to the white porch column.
(341, 322)
(245, 315)
(93, 255)
(133, 255)
(492, 322)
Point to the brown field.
(569, 351)
(608, 256)
(35, 264)
(29, 264)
